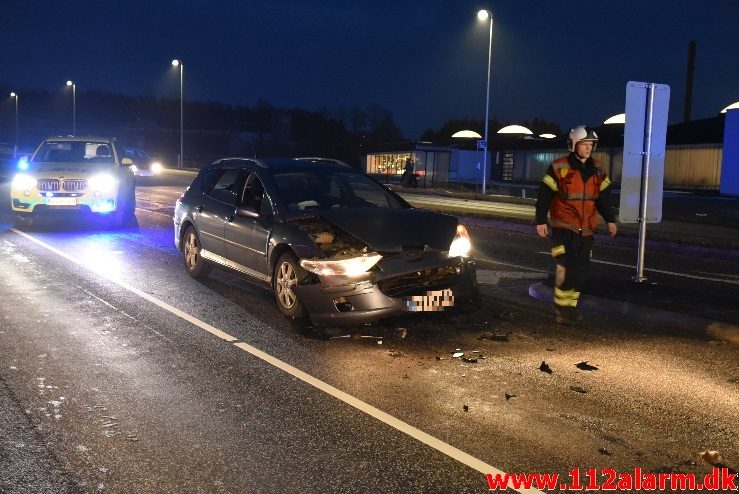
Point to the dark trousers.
(572, 253)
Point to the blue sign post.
(730, 165)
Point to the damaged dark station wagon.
(332, 243)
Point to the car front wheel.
(196, 266)
(286, 275)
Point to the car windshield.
(323, 189)
(74, 152)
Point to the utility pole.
(689, 82)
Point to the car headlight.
(461, 244)
(156, 167)
(347, 267)
(23, 181)
(103, 183)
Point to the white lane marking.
(207, 327)
(493, 261)
(376, 413)
(725, 275)
(661, 271)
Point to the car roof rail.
(320, 160)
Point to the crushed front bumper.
(398, 286)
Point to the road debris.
(604, 451)
(457, 354)
(401, 332)
(395, 354)
(544, 367)
(466, 408)
(584, 365)
(508, 397)
(487, 335)
(578, 389)
(711, 457)
(439, 358)
(469, 360)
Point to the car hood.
(69, 169)
(389, 230)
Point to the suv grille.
(419, 281)
(55, 185)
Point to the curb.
(716, 330)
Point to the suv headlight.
(103, 183)
(23, 182)
(461, 244)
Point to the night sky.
(425, 61)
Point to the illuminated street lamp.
(483, 15)
(15, 148)
(177, 63)
(74, 106)
(616, 119)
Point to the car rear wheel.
(286, 275)
(196, 266)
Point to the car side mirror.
(126, 162)
(247, 212)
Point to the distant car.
(143, 164)
(332, 243)
(75, 174)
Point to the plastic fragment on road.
(457, 354)
(584, 365)
(469, 360)
(508, 397)
(604, 451)
(401, 332)
(578, 389)
(544, 367)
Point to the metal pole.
(182, 106)
(487, 109)
(15, 148)
(74, 109)
(646, 156)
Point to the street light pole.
(177, 63)
(484, 15)
(74, 106)
(15, 148)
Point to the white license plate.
(432, 301)
(61, 201)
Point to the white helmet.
(580, 134)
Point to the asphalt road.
(122, 374)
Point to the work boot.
(567, 316)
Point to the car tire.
(129, 209)
(126, 210)
(288, 273)
(195, 265)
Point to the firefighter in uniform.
(575, 192)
